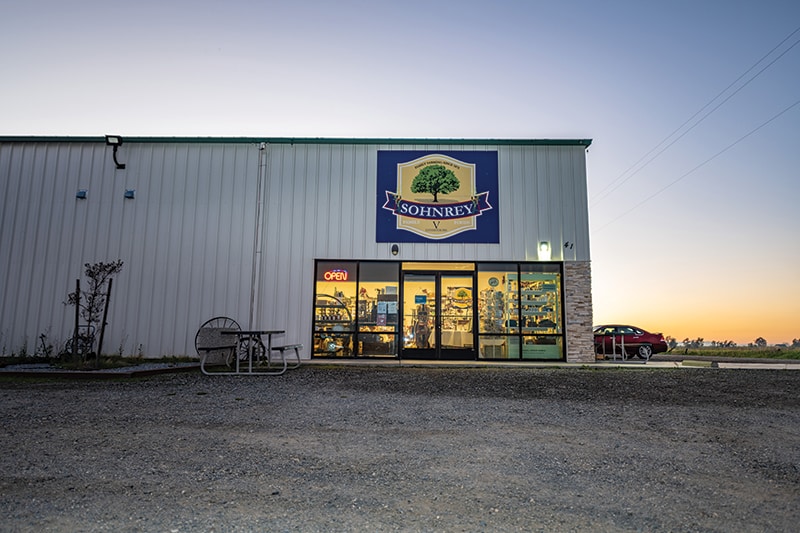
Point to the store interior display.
(510, 304)
(517, 313)
(333, 324)
(339, 312)
(496, 302)
(377, 318)
(495, 313)
(450, 329)
(529, 305)
(540, 315)
(539, 301)
(420, 313)
(457, 309)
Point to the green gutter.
(300, 140)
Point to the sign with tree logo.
(441, 196)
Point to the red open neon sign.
(335, 275)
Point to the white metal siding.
(188, 239)
(321, 202)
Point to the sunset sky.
(693, 107)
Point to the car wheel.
(645, 351)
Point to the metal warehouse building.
(390, 248)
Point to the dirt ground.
(404, 449)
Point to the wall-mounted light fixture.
(115, 141)
(81, 194)
(395, 249)
(130, 194)
(544, 251)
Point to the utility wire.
(664, 188)
(614, 185)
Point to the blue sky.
(694, 237)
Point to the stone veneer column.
(578, 311)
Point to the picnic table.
(222, 338)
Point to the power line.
(737, 141)
(614, 185)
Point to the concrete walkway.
(619, 363)
(147, 369)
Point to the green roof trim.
(299, 140)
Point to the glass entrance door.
(438, 310)
(457, 335)
(419, 315)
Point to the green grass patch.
(744, 352)
(92, 362)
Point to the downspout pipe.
(257, 245)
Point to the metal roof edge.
(297, 140)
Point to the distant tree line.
(723, 344)
(699, 342)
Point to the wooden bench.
(283, 349)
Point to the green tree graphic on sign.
(435, 179)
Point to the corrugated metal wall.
(188, 238)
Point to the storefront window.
(495, 346)
(540, 298)
(457, 305)
(498, 298)
(517, 308)
(419, 308)
(335, 308)
(378, 308)
(541, 347)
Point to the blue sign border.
(488, 223)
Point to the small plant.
(121, 349)
(45, 348)
(91, 302)
(93, 299)
(23, 350)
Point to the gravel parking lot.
(405, 449)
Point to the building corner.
(578, 311)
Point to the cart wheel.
(259, 351)
(84, 346)
(211, 345)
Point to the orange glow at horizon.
(693, 300)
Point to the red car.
(636, 341)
